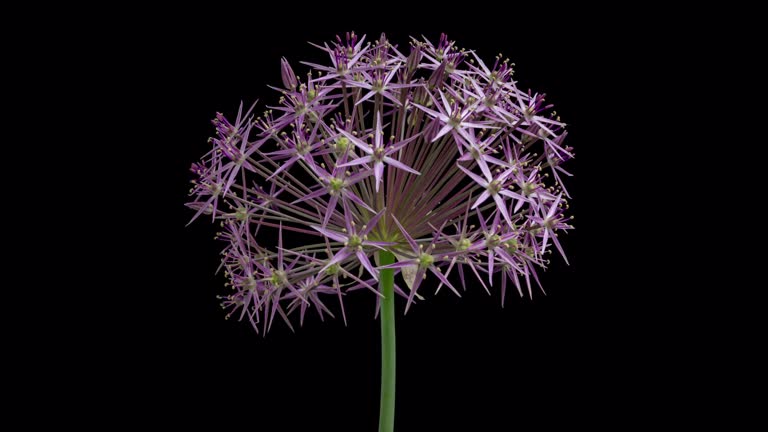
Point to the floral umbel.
(424, 151)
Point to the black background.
(461, 361)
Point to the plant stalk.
(387, 314)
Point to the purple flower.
(455, 120)
(430, 154)
(378, 154)
(354, 242)
(423, 260)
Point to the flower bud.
(289, 78)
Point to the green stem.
(387, 282)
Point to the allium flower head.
(427, 152)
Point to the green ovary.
(278, 278)
(336, 184)
(333, 269)
(511, 244)
(354, 241)
(341, 144)
(492, 241)
(528, 188)
(426, 260)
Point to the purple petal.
(481, 199)
(560, 248)
(509, 193)
(407, 236)
(490, 267)
(544, 241)
(354, 140)
(340, 256)
(358, 161)
(366, 97)
(484, 168)
(378, 173)
(378, 142)
(367, 264)
(330, 234)
(477, 274)
(416, 282)
(400, 165)
(316, 194)
(331, 209)
(356, 199)
(429, 111)
(444, 280)
(479, 180)
(372, 222)
(378, 244)
(553, 209)
(502, 207)
(399, 264)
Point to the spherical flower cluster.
(432, 155)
